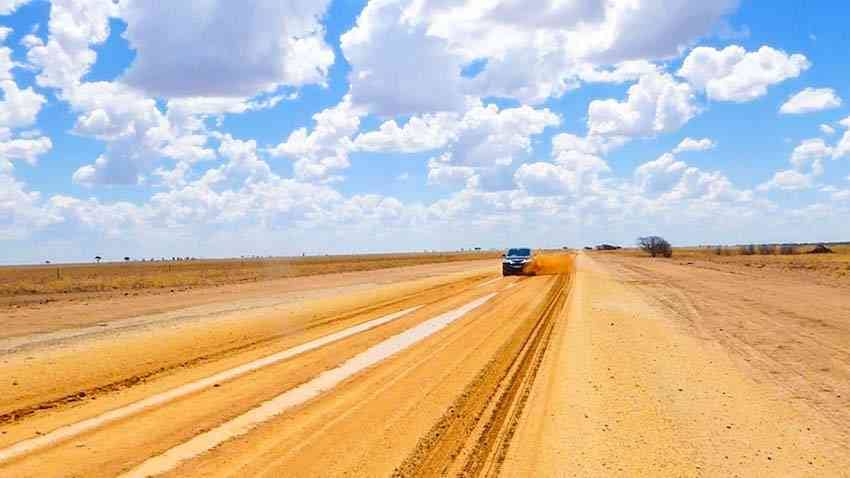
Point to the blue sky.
(215, 129)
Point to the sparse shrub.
(655, 246)
(767, 249)
(821, 249)
(748, 250)
(787, 249)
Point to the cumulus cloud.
(20, 209)
(136, 132)
(529, 51)
(734, 74)
(321, 153)
(26, 149)
(667, 179)
(690, 144)
(809, 153)
(789, 180)
(842, 148)
(9, 6)
(477, 145)
(575, 170)
(75, 27)
(397, 67)
(647, 29)
(807, 161)
(18, 107)
(428, 132)
(810, 100)
(826, 129)
(655, 104)
(221, 48)
(487, 140)
(545, 179)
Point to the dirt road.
(595, 372)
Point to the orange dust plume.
(551, 264)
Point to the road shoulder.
(624, 391)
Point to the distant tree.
(127, 259)
(655, 246)
(98, 259)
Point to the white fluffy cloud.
(667, 179)
(225, 48)
(488, 140)
(575, 170)
(789, 180)
(810, 100)
(478, 145)
(809, 153)
(826, 129)
(428, 132)
(134, 129)
(529, 51)
(18, 107)
(733, 74)
(690, 144)
(323, 152)
(397, 67)
(20, 209)
(842, 149)
(655, 104)
(807, 161)
(74, 27)
(545, 179)
(26, 149)
(9, 6)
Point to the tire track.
(472, 438)
(77, 396)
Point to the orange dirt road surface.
(599, 366)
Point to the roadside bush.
(748, 250)
(723, 251)
(655, 246)
(787, 249)
(767, 249)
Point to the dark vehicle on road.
(517, 261)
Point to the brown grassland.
(16, 281)
(833, 269)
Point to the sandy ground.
(663, 369)
(183, 303)
(624, 367)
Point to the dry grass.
(136, 276)
(827, 267)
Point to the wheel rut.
(473, 436)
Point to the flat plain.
(603, 364)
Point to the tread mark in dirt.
(89, 393)
(477, 428)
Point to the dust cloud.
(552, 264)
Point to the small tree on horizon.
(98, 259)
(655, 246)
